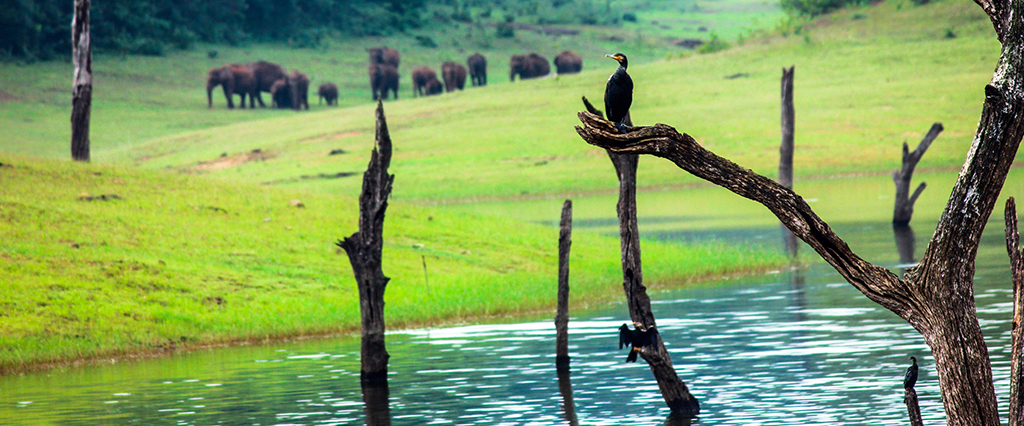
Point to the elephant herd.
(291, 90)
(286, 90)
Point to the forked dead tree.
(81, 97)
(677, 396)
(936, 297)
(903, 210)
(364, 249)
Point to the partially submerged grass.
(101, 261)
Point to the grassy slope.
(178, 261)
(866, 81)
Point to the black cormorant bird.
(910, 379)
(618, 94)
(638, 338)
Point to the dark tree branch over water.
(937, 296)
(364, 252)
(903, 210)
(677, 395)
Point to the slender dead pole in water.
(786, 150)
(562, 313)
(1016, 417)
(364, 253)
(677, 396)
(913, 409)
(903, 209)
(81, 97)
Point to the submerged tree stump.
(677, 396)
(913, 409)
(562, 312)
(81, 97)
(904, 205)
(364, 253)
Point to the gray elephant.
(236, 80)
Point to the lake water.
(786, 348)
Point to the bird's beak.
(611, 56)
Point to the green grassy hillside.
(100, 261)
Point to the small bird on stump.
(618, 94)
(910, 378)
(639, 338)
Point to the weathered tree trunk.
(364, 249)
(562, 312)
(788, 119)
(913, 408)
(81, 98)
(937, 296)
(904, 205)
(677, 396)
(1016, 330)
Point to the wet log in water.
(562, 313)
(364, 253)
(677, 396)
(904, 205)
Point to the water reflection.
(905, 245)
(794, 347)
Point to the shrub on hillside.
(815, 7)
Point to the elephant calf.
(236, 80)
(328, 92)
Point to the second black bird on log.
(910, 378)
(639, 338)
(618, 94)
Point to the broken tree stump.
(677, 396)
(788, 120)
(364, 253)
(913, 409)
(81, 97)
(904, 205)
(562, 312)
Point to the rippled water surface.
(789, 348)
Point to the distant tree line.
(41, 29)
(820, 7)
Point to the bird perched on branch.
(639, 338)
(618, 94)
(910, 378)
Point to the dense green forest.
(40, 29)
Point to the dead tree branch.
(1016, 331)
(364, 249)
(81, 97)
(562, 312)
(903, 210)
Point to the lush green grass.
(178, 261)
(867, 80)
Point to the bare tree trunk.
(81, 99)
(788, 120)
(562, 313)
(913, 408)
(1016, 331)
(677, 396)
(904, 205)
(364, 249)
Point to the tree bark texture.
(913, 408)
(677, 396)
(562, 312)
(81, 97)
(937, 296)
(788, 124)
(1016, 417)
(904, 205)
(364, 249)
